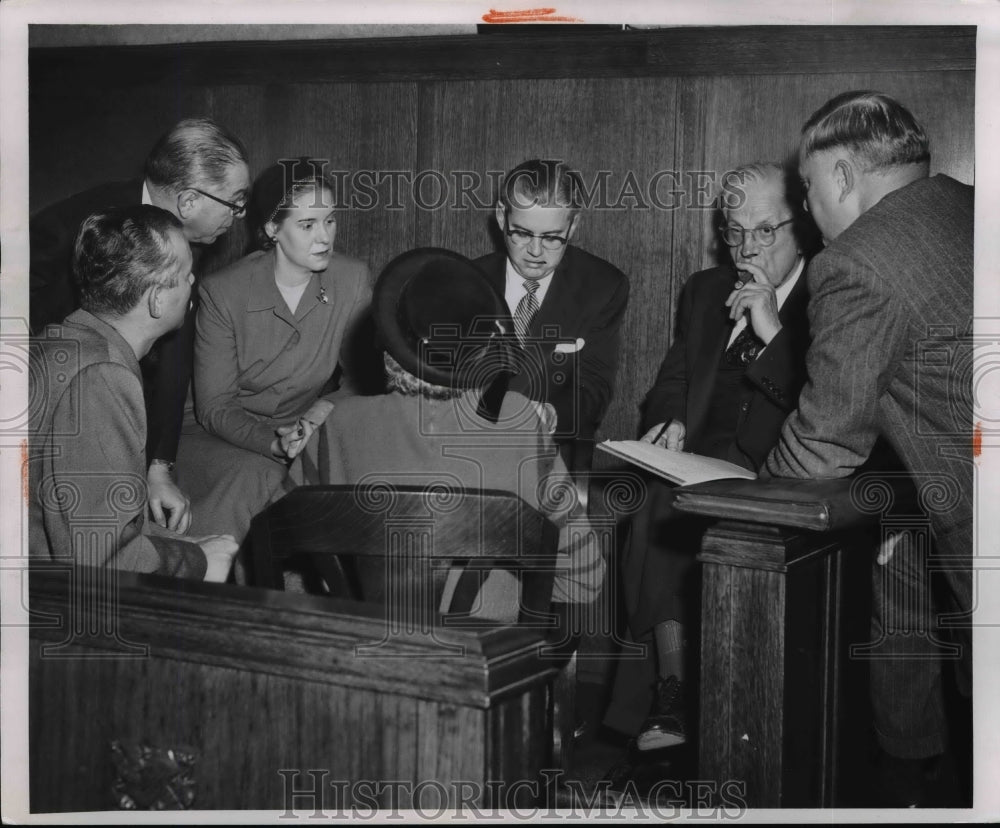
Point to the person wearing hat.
(270, 331)
(442, 326)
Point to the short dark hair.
(120, 253)
(544, 182)
(877, 129)
(275, 191)
(195, 152)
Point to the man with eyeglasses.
(732, 375)
(198, 172)
(566, 304)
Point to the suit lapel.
(562, 301)
(709, 343)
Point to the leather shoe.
(666, 724)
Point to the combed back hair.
(401, 381)
(195, 153)
(120, 253)
(298, 188)
(877, 130)
(733, 194)
(542, 182)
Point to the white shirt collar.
(145, 194)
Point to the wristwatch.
(168, 463)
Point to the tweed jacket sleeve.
(859, 335)
(101, 468)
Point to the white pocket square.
(569, 347)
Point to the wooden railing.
(149, 690)
(785, 603)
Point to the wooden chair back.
(394, 545)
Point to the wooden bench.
(155, 691)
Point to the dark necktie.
(526, 310)
(744, 349)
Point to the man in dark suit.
(731, 377)
(198, 172)
(890, 314)
(567, 305)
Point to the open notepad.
(676, 466)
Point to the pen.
(661, 432)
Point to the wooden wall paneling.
(80, 137)
(505, 52)
(745, 118)
(356, 127)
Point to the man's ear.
(501, 217)
(187, 203)
(154, 302)
(844, 178)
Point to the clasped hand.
(292, 438)
(758, 300)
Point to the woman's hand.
(292, 439)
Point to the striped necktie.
(526, 310)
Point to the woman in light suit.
(271, 329)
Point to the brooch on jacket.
(322, 295)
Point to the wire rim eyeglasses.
(765, 234)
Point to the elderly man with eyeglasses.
(567, 305)
(731, 377)
(198, 172)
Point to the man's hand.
(757, 298)
(166, 499)
(219, 553)
(672, 438)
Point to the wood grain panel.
(548, 51)
(80, 137)
(247, 722)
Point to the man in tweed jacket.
(891, 303)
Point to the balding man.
(731, 377)
(198, 172)
(890, 313)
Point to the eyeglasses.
(522, 238)
(765, 234)
(236, 209)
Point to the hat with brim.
(439, 317)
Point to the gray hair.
(196, 151)
(120, 253)
(877, 130)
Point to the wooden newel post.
(773, 648)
